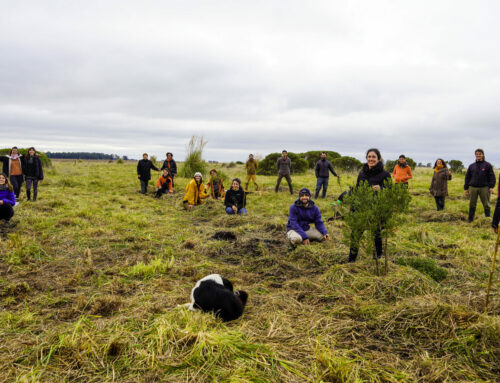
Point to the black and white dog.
(215, 294)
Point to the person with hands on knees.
(302, 213)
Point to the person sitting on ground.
(302, 213)
(164, 184)
(7, 199)
(251, 166)
(215, 185)
(144, 167)
(195, 192)
(402, 171)
(235, 200)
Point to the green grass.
(94, 276)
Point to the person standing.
(235, 200)
(12, 166)
(373, 174)
(480, 181)
(284, 165)
(439, 183)
(7, 199)
(144, 167)
(170, 164)
(33, 172)
(251, 166)
(301, 214)
(195, 192)
(322, 169)
(402, 171)
(215, 185)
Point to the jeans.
(288, 179)
(439, 203)
(321, 181)
(17, 182)
(144, 186)
(29, 182)
(229, 210)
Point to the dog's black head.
(227, 284)
(243, 295)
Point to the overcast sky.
(414, 77)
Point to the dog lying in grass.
(215, 294)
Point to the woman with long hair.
(13, 168)
(33, 172)
(439, 183)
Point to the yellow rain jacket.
(195, 193)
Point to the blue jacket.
(299, 218)
(8, 197)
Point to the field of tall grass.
(92, 276)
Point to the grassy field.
(91, 277)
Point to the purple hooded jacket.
(299, 218)
(8, 197)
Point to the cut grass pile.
(94, 276)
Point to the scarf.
(438, 168)
(14, 156)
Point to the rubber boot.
(472, 212)
(487, 211)
(353, 254)
(28, 194)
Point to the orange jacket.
(162, 180)
(402, 175)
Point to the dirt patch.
(105, 306)
(224, 236)
(190, 245)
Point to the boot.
(246, 187)
(28, 194)
(472, 212)
(353, 254)
(487, 211)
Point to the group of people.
(16, 169)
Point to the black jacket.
(144, 169)
(323, 167)
(235, 198)
(480, 174)
(38, 167)
(374, 176)
(173, 167)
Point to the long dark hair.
(28, 156)
(7, 182)
(443, 161)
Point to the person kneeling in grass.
(195, 192)
(302, 213)
(164, 184)
(235, 199)
(7, 199)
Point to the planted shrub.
(427, 266)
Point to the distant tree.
(429, 165)
(125, 158)
(24, 151)
(420, 165)
(456, 166)
(347, 164)
(313, 156)
(82, 156)
(194, 161)
(268, 165)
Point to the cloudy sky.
(414, 77)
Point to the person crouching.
(302, 213)
(195, 192)
(235, 199)
(164, 184)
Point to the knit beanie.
(304, 191)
